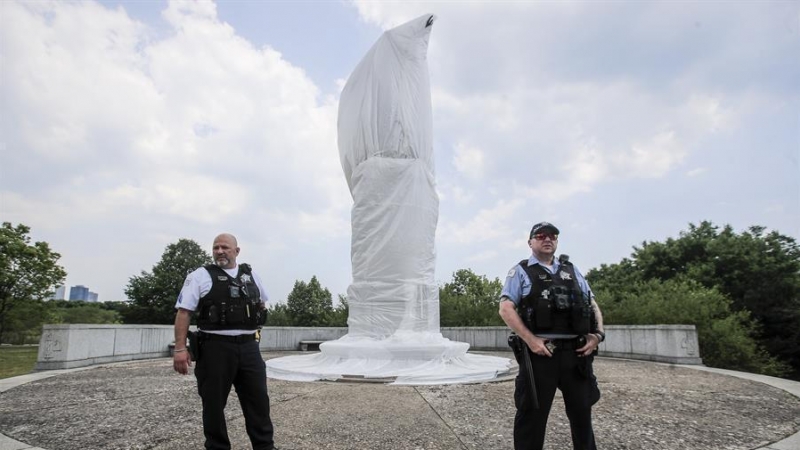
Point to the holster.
(194, 345)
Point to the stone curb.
(793, 387)
(790, 443)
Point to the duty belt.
(221, 337)
(565, 344)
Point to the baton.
(520, 346)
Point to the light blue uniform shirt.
(518, 284)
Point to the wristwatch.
(601, 334)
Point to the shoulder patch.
(188, 280)
(512, 272)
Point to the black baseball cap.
(543, 226)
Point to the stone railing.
(69, 346)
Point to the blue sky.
(129, 125)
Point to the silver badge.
(222, 278)
(565, 275)
(246, 278)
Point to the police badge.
(564, 275)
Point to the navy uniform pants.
(568, 373)
(224, 364)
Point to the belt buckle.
(550, 346)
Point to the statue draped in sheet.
(386, 149)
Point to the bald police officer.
(549, 305)
(229, 301)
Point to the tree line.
(740, 290)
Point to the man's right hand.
(536, 344)
(181, 361)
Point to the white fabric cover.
(386, 149)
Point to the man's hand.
(592, 341)
(181, 361)
(537, 345)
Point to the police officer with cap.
(229, 301)
(548, 304)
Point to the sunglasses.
(543, 236)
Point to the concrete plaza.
(644, 405)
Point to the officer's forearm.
(508, 312)
(598, 315)
(182, 320)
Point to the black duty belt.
(221, 337)
(569, 344)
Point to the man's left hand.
(592, 341)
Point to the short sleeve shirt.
(518, 284)
(198, 284)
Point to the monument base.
(413, 359)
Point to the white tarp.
(386, 149)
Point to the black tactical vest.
(232, 303)
(556, 304)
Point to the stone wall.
(663, 343)
(78, 345)
(69, 346)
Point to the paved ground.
(145, 405)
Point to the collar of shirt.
(552, 269)
(232, 272)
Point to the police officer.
(548, 304)
(229, 301)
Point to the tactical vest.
(232, 303)
(555, 304)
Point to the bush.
(725, 336)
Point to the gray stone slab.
(145, 405)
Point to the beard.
(222, 261)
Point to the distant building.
(79, 292)
(92, 296)
(60, 293)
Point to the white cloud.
(696, 172)
(708, 110)
(196, 126)
(542, 110)
(486, 225)
(469, 161)
(653, 158)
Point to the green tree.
(83, 312)
(120, 308)
(28, 272)
(153, 294)
(24, 322)
(469, 300)
(758, 271)
(340, 313)
(725, 336)
(278, 316)
(309, 304)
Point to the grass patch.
(17, 360)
